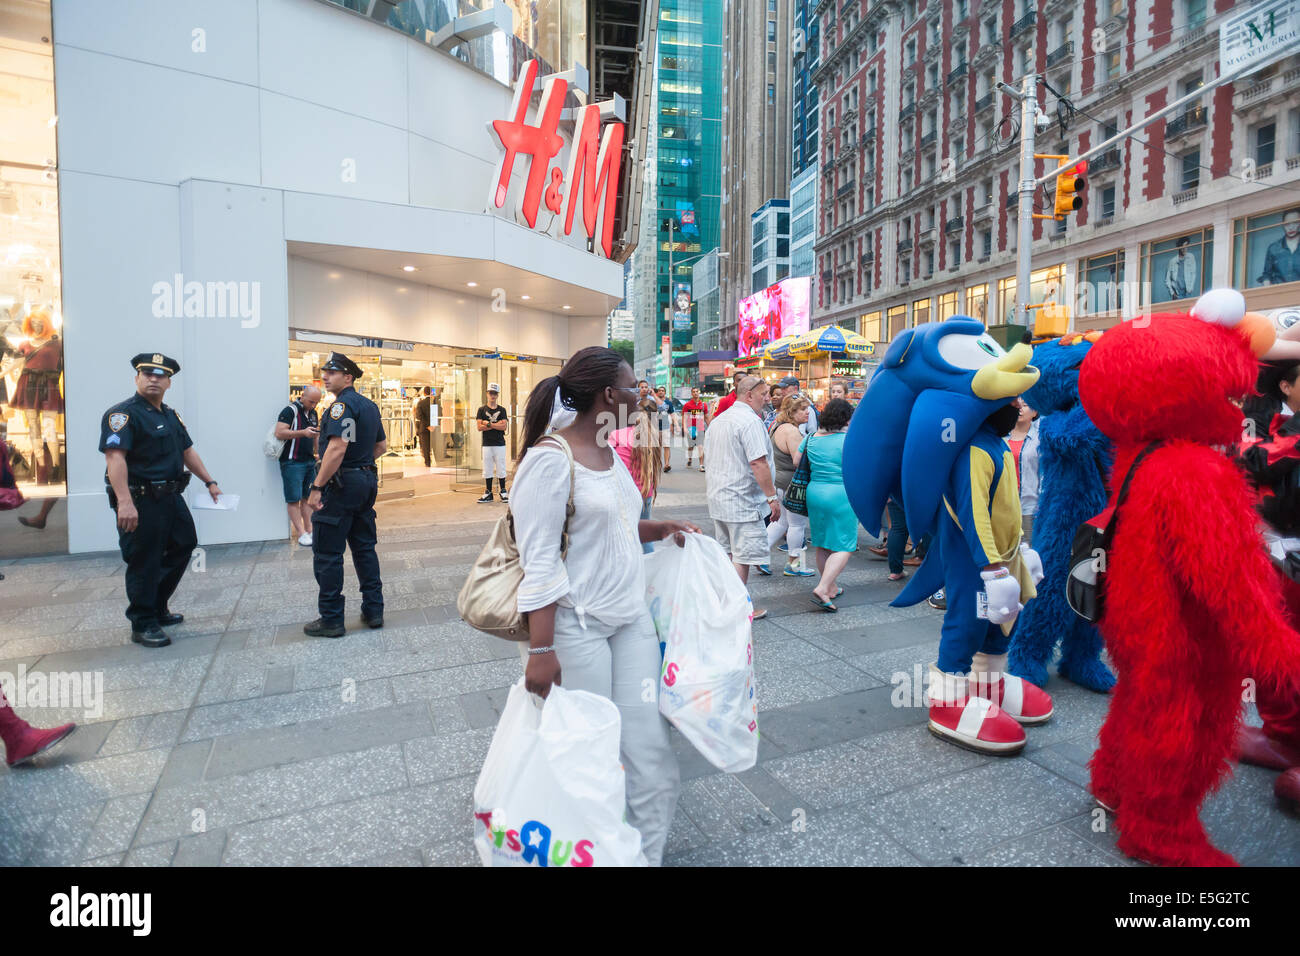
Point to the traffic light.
(1069, 184)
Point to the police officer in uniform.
(147, 449)
(343, 499)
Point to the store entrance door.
(515, 375)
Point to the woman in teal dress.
(834, 525)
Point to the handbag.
(488, 600)
(272, 446)
(1085, 581)
(10, 496)
(796, 495)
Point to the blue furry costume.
(920, 434)
(1074, 459)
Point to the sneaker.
(783, 548)
(793, 572)
(701, 469)
(1025, 702)
(764, 569)
(976, 723)
(304, 539)
(319, 628)
(937, 601)
(485, 499)
(504, 496)
(667, 468)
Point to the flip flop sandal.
(824, 605)
(894, 577)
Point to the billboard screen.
(772, 313)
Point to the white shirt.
(733, 440)
(603, 576)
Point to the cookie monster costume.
(1193, 608)
(1074, 459)
(926, 433)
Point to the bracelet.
(208, 484)
(540, 650)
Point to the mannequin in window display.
(39, 393)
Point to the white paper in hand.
(203, 501)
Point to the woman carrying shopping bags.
(637, 447)
(588, 623)
(830, 516)
(786, 439)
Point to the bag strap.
(1123, 488)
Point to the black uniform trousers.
(426, 437)
(156, 553)
(347, 517)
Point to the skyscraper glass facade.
(688, 146)
(804, 46)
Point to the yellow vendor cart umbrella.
(832, 340)
(781, 347)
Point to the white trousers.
(622, 664)
(792, 527)
(494, 461)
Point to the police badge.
(336, 410)
(117, 420)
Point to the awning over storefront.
(695, 358)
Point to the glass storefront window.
(1178, 267)
(1047, 285)
(32, 426)
(869, 326)
(1101, 283)
(897, 320)
(920, 311)
(1266, 249)
(1006, 312)
(977, 301)
(947, 305)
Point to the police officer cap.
(155, 361)
(338, 362)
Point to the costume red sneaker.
(975, 723)
(1287, 788)
(1027, 703)
(23, 741)
(1256, 747)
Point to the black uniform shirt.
(354, 419)
(154, 439)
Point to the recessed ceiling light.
(408, 268)
(568, 306)
(53, 121)
(525, 297)
(402, 289)
(460, 301)
(334, 275)
(472, 284)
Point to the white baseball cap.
(494, 387)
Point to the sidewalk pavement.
(245, 742)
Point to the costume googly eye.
(1225, 307)
(969, 351)
(1284, 319)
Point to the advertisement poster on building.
(1179, 267)
(772, 313)
(682, 307)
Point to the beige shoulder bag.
(489, 601)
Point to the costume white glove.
(1033, 563)
(1004, 595)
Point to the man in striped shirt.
(298, 426)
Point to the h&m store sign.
(589, 179)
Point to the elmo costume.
(1192, 604)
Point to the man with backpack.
(298, 426)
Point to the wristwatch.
(209, 484)
(318, 488)
(773, 497)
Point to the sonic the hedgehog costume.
(923, 433)
(1074, 459)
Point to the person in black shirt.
(492, 423)
(298, 427)
(343, 500)
(147, 448)
(422, 425)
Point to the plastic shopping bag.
(703, 615)
(551, 791)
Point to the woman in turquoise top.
(831, 517)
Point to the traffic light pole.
(1025, 220)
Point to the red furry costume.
(1192, 604)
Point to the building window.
(991, 30)
(897, 320)
(911, 53)
(771, 31)
(1111, 62)
(954, 254)
(1006, 300)
(977, 301)
(1108, 203)
(1266, 249)
(1264, 137)
(906, 268)
(929, 264)
(1191, 169)
(869, 324)
(920, 312)
(986, 243)
(947, 306)
(1195, 10)
(1102, 280)
(1178, 267)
